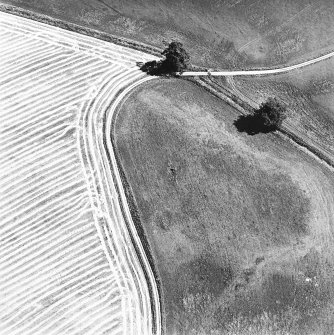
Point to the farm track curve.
(259, 72)
(67, 260)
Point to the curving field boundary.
(107, 194)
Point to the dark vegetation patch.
(217, 33)
(220, 210)
(176, 59)
(265, 119)
(251, 124)
(286, 302)
(202, 276)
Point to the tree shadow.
(252, 125)
(154, 68)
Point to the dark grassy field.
(230, 33)
(241, 227)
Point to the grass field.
(240, 226)
(228, 33)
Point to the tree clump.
(267, 118)
(271, 114)
(176, 60)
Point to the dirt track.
(258, 72)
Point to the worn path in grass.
(258, 72)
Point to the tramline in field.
(67, 262)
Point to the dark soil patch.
(201, 276)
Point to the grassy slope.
(240, 226)
(249, 33)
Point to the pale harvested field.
(67, 262)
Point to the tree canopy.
(271, 113)
(176, 59)
(268, 117)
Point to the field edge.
(133, 207)
(104, 36)
(124, 41)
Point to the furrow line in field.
(17, 237)
(44, 56)
(61, 271)
(115, 310)
(53, 289)
(71, 279)
(154, 294)
(61, 97)
(53, 88)
(20, 42)
(67, 44)
(20, 48)
(15, 162)
(34, 70)
(70, 292)
(48, 215)
(18, 216)
(65, 175)
(113, 317)
(9, 78)
(62, 126)
(67, 105)
(35, 197)
(36, 120)
(37, 129)
(9, 149)
(47, 75)
(110, 92)
(83, 43)
(21, 173)
(47, 259)
(40, 245)
(70, 270)
(40, 236)
(18, 213)
(109, 249)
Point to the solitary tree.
(176, 60)
(271, 114)
(268, 117)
